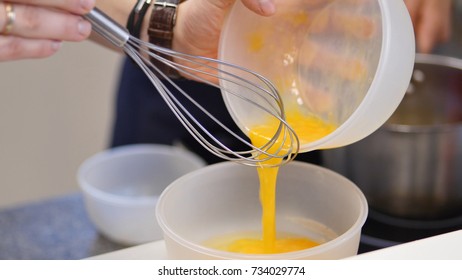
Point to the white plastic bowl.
(121, 187)
(223, 199)
(332, 35)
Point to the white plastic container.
(223, 199)
(347, 62)
(121, 187)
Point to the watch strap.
(160, 31)
(136, 17)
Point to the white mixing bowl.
(347, 62)
(223, 199)
(121, 187)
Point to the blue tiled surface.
(55, 229)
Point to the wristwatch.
(160, 31)
(135, 19)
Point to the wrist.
(162, 22)
(161, 30)
(179, 38)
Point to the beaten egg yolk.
(308, 128)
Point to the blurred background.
(54, 113)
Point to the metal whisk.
(284, 144)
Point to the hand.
(35, 28)
(432, 22)
(322, 54)
(199, 24)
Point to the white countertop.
(444, 247)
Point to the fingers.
(35, 30)
(14, 48)
(344, 67)
(78, 7)
(261, 7)
(427, 36)
(432, 22)
(413, 9)
(434, 26)
(41, 23)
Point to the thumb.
(261, 7)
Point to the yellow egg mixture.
(308, 129)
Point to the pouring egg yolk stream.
(308, 129)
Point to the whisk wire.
(182, 113)
(233, 80)
(266, 146)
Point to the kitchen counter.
(53, 229)
(440, 247)
(59, 229)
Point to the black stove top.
(381, 231)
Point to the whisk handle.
(107, 27)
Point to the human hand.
(199, 24)
(35, 28)
(432, 22)
(316, 53)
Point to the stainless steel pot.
(411, 167)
